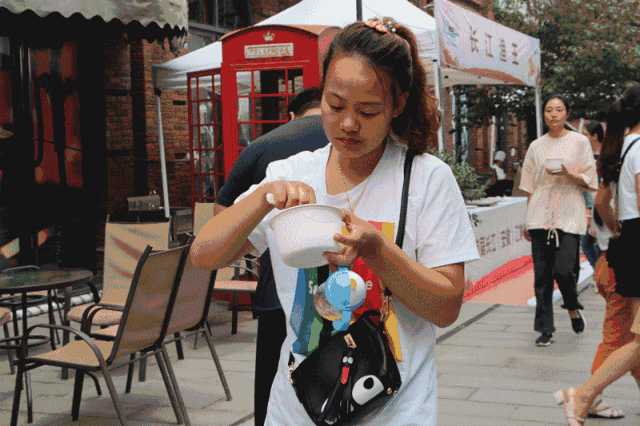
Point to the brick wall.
(263, 9)
(119, 132)
(132, 132)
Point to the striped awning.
(151, 19)
(162, 12)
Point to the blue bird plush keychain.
(345, 290)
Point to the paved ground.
(489, 373)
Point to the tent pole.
(539, 111)
(438, 89)
(163, 162)
(358, 10)
(492, 148)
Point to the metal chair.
(189, 317)
(202, 212)
(236, 287)
(5, 319)
(191, 311)
(124, 243)
(123, 246)
(145, 318)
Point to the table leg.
(52, 320)
(65, 333)
(27, 375)
(27, 387)
(24, 314)
(234, 313)
(16, 330)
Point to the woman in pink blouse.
(557, 167)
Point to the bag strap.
(620, 170)
(403, 204)
(405, 197)
(627, 151)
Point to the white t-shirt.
(627, 196)
(438, 232)
(500, 174)
(603, 233)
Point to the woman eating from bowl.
(375, 106)
(557, 167)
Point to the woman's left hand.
(559, 172)
(363, 238)
(565, 171)
(575, 179)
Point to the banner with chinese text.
(471, 43)
(499, 232)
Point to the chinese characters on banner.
(499, 240)
(499, 233)
(471, 43)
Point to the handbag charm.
(345, 290)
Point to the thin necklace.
(359, 196)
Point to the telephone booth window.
(263, 68)
(263, 97)
(205, 132)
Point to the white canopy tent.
(172, 75)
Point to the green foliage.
(465, 175)
(590, 52)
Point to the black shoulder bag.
(616, 249)
(353, 372)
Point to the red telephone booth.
(229, 107)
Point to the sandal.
(601, 410)
(566, 398)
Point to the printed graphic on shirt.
(306, 320)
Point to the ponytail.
(419, 121)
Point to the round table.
(25, 281)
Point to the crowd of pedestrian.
(617, 219)
(560, 174)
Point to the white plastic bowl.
(554, 164)
(304, 232)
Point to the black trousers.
(554, 260)
(272, 331)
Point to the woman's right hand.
(527, 236)
(287, 194)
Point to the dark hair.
(304, 101)
(558, 97)
(595, 129)
(623, 113)
(396, 54)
